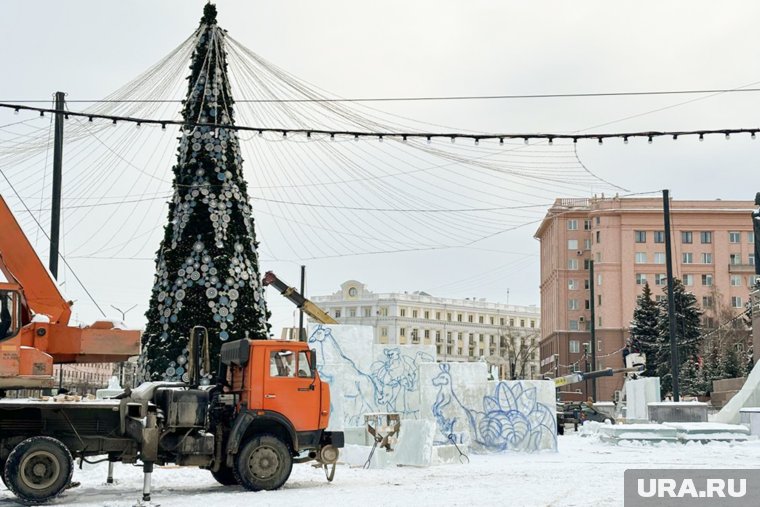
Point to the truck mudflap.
(334, 438)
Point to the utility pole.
(671, 296)
(301, 330)
(55, 214)
(592, 328)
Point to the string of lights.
(403, 136)
(437, 98)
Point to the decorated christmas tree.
(207, 269)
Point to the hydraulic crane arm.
(297, 298)
(20, 264)
(579, 376)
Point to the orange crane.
(34, 319)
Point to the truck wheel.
(264, 463)
(225, 476)
(38, 469)
(2, 471)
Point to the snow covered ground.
(584, 472)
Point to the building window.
(572, 304)
(448, 317)
(705, 237)
(383, 311)
(751, 237)
(659, 236)
(707, 280)
(752, 280)
(402, 312)
(734, 237)
(640, 258)
(572, 244)
(751, 259)
(587, 225)
(598, 256)
(480, 319)
(598, 220)
(352, 312)
(734, 259)
(707, 302)
(572, 264)
(337, 313)
(599, 300)
(437, 315)
(586, 263)
(384, 332)
(659, 298)
(688, 280)
(599, 279)
(640, 236)
(572, 284)
(736, 281)
(367, 311)
(659, 257)
(427, 314)
(402, 331)
(641, 278)
(414, 314)
(706, 258)
(686, 237)
(491, 320)
(533, 323)
(501, 321)
(415, 336)
(573, 325)
(459, 317)
(598, 236)
(522, 322)
(572, 225)
(575, 346)
(586, 284)
(687, 257)
(588, 305)
(736, 302)
(438, 337)
(660, 279)
(470, 318)
(587, 244)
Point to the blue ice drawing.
(387, 387)
(512, 418)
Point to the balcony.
(741, 268)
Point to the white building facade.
(461, 329)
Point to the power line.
(423, 99)
(403, 136)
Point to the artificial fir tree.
(644, 332)
(688, 332)
(207, 269)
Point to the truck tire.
(38, 469)
(264, 463)
(2, 471)
(225, 476)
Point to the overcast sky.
(426, 48)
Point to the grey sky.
(431, 48)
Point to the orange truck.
(267, 409)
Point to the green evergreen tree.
(730, 364)
(689, 379)
(712, 366)
(644, 332)
(749, 361)
(688, 332)
(207, 268)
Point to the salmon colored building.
(713, 247)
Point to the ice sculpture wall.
(464, 406)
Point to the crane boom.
(297, 298)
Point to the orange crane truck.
(267, 410)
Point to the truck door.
(290, 388)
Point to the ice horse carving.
(512, 417)
(389, 385)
